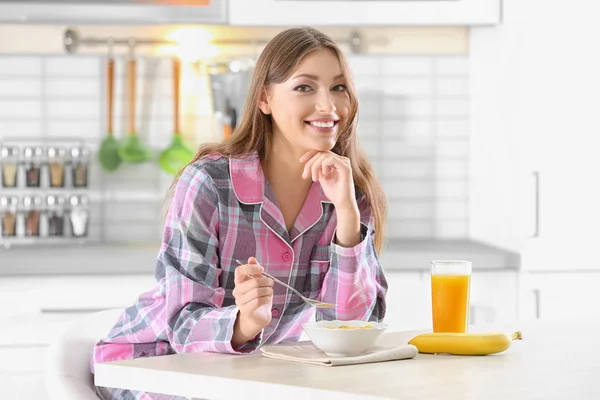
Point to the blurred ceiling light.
(235, 66)
(193, 44)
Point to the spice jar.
(32, 209)
(56, 166)
(79, 215)
(80, 158)
(56, 215)
(8, 210)
(9, 164)
(33, 162)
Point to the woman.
(289, 193)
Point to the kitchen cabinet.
(494, 297)
(534, 135)
(84, 293)
(560, 296)
(35, 310)
(363, 12)
(114, 12)
(24, 341)
(92, 293)
(408, 301)
(22, 373)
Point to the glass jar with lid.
(79, 215)
(80, 159)
(56, 166)
(32, 209)
(8, 212)
(33, 163)
(9, 163)
(56, 215)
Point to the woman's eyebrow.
(315, 77)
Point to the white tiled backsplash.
(413, 123)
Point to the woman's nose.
(325, 103)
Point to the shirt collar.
(247, 178)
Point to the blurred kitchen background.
(477, 115)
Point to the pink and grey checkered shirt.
(224, 209)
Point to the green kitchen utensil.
(108, 155)
(177, 155)
(133, 150)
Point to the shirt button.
(275, 313)
(286, 256)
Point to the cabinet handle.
(536, 293)
(536, 231)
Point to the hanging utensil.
(178, 154)
(229, 86)
(133, 150)
(108, 155)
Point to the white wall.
(414, 123)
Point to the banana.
(466, 344)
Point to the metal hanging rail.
(72, 41)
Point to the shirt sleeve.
(189, 265)
(355, 281)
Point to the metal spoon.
(315, 303)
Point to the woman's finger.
(256, 293)
(255, 305)
(316, 166)
(244, 272)
(253, 283)
(308, 155)
(308, 165)
(328, 165)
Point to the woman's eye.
(303, 88)
(339, 88)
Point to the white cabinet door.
(90, 293)
(535, 138)
(557, 96)
(560, 296)
(19, 295)
(23, 386)
(77, 293)
(22, 372)
(408, 301)
(494, 297)
(365, 12)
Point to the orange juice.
(450, 302)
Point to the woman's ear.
(263, 102)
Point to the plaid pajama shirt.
(223, 209)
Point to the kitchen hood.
(114, 12)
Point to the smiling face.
(310, 108)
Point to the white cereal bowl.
(336, 342)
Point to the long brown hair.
(276, 64)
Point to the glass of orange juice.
(450, 292)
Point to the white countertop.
(554, 361)
(415, 255)
(398, 255)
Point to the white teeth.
(319, 124)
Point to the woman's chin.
(325, 145)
